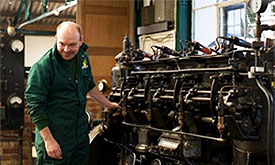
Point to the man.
(56, 96)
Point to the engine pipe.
(173, 132)
(270, 125)
(201, 70)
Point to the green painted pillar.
(138, 4)
(184, 13)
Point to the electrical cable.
(248, 153)
(124, 147)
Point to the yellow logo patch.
(84, 64)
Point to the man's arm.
(99, 97)
(52, 147)
(36, 93)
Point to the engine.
(197, 106)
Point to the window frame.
(220, 9)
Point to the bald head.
(69, 39)
(69, 27)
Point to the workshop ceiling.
(9, 9)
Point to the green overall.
(56, 97)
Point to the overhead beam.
(11, 14)
(31, 32)
(49, 1)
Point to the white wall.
(36, 47)
(167, 38)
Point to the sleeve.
(36, 94)
(91, 83)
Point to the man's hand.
(99, 97)
(114, 109)
(52, 147)
(113, 105)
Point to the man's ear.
(81, 39)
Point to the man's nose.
(66, 48)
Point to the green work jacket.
(57, 100)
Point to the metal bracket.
(53, 12)
(45, 6)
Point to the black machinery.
(12, 80)
(191, 108)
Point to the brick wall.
(9, 145)
(95, 108)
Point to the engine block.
(198, 106)
(191, 108)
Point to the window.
(213, 18)
(234, 21)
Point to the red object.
(205, 50)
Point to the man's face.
(68, 43)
